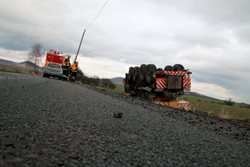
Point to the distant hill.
(25, 64)
(29, 64)
(117, 80)
(6, 62)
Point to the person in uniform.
(74, 69)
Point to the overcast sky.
(209, 37)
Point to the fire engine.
(55, 65)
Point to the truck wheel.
(143, 67)
(126, 88)
(178, 67)
(136, 75)
(168, 68)
(130, 70)
(149, 79)
(144, 94)
(142, 78)
(151, 68)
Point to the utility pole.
(80, 44)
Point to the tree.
(35, 54)
(229, 102)
(107, 83)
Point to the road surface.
(46, 122)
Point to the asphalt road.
(46, 122)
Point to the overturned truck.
(160, 84)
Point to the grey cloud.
(229, 12)
(15, 41)
(134, 32)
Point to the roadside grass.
(205, 104)
(15, 69)
(118, 89)
(217, 107)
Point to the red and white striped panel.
(161, 83)
(175, 72)
(184, 105)
(186, 83)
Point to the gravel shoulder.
(46, 122)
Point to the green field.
(218, 107)
(119, 89)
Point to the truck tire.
(135, 74)
(151, 68)
(130, 75)
(178, 67)
(144, 94)
(45, 75)
(149, 80)
(168, 68)
(141, 77)
(143, 67)
(130, 70)
(126, 88)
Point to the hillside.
(117, 80)
(220, 108)
(29, 65)
(6, 62)
(26, 67)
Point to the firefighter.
(66, 67)
(74, 69)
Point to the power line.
(106, 2)
(100, 11)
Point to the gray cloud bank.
(209, 37)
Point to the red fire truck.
(54, 65)
(55, 57)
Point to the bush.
(90, 81)
(107, 83)
(229, 102)
(95, 81)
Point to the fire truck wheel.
(168, 68)
(178, 67)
